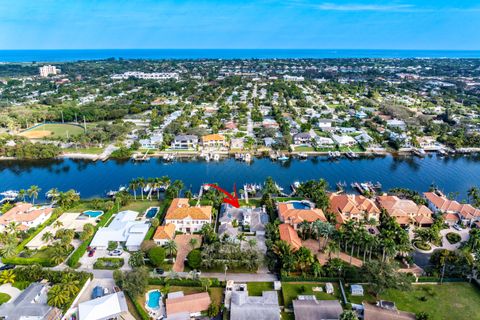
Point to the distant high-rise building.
(47, 70)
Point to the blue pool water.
(300, 205)
(93, 213)
(154, 299)
(152, 212)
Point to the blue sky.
(341, 24)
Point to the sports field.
(53, 130)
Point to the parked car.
(159, 271)
(91, 253)
(115, 253)
(457, 227)
(7, 267)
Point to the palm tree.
(58, 255)
(7, 276)
(305, 228)
(12, 227)
(133, 185)
(8, 250)
(252, 243)
(241, 237)
(70, 283)
(57, 297)
(22, 194)
(53, 193)
(57, 224)
(47, 236)
(171, 247)
(151, 184)
(193, 243)
(33, 192)
(473, 193)
(332, 247)
(141, 184)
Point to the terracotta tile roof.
(446, 205)
(348, 204)
(213, 137)
(23, 213)
(192, 303)
(289, 235)
(450, 217)
(401, 209)
(165, 232)
(288, 213)
(180, 209)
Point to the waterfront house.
(214, 142)
(30, 304)
(111, 306)
(303, 138)
(438, 203)
(184, 142)
(324, 142)
(264, 307)
(187, 218)
(25, 215)
(152, 142)
(192, 305)
(124, 229)
(406, 211)
(344, 140)
(364, 139)
(353, 207)
(163, 234)
(294, 212)
(236, 143)
(308, 307)
(233, 220)
(268, 142)
(290, 236)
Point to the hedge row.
(184, 282)
(307, 279)
(141, 312)
(74, 259)
(435, 279)
(44, 262)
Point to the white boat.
(303, 155)
(216, 157)
(283, 157)
(247, 157)
(207, 158)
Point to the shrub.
(108, 263)
(156, 256)
(422, 245)
(112, 245)
(194, 259)
(453, 237)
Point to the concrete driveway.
(87, 262)
(11, 291)
(464, 234)
(183, 249)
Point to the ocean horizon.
(69, 55)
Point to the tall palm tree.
(305, 228)
(7, 276)
(473, 193)
(332, 247)
(141, 185)
(57, 224)
(70, 283)
(151, 183)
(12, 227)
(33, 192)
(22, 194)
(171, 248)
(193, 243)
(241, 237)
(52, 192)
(8, 250)
(133, 185)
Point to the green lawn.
(290, 291)
(91, 150)
(140, 205)
(4, 297)
(256, 288)
(304, 149)
(59, 129)
(460, 301)
(287, 316)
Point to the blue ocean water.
(75, 55)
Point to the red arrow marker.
(230, 199)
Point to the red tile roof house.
(441, 204)
(290, 236)
(287, 213)
(192, 305)
(405, 211)
(353, 207)
(25, 215)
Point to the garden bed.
(108, 263)
(453, 237)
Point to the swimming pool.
(300, 205)
(153, 301)
(93, 213)
(151, 212)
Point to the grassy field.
(91, 150)
(141, 206)
(4, 298)
(53, 130)
(256, 288)
(290, 291)
(458, 301)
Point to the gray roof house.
(255, 218)
(306, 309)
(244, 307)
(30, 304)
